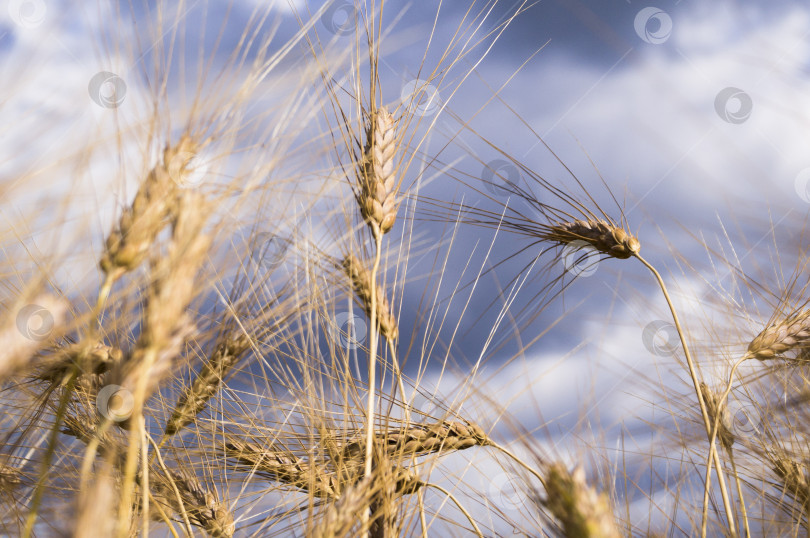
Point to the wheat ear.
(166, 325)
(283, 466)
(791, 333)
(360, 278)
(129, 242)
(580, 509)
(420, 440)
(207, 382)
(376, 174)
(202, 506)
(601, 235)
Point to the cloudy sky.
(695, 114)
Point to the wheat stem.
(131, 465)
(421, 500)
(693, 374)
(145, 476)
(372, 365)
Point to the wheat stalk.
(580, 509)
(791, 333)
(166, 325)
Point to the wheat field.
(372, 268)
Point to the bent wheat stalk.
(707, 423)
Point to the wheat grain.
(580, 509)
(601, 235)
(206, 384)
(360, 277)
(791, 333)
(376, 174)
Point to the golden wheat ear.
(783, 336)
(581, 511)
(360, 278)
(376, 173)
(605, 237)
